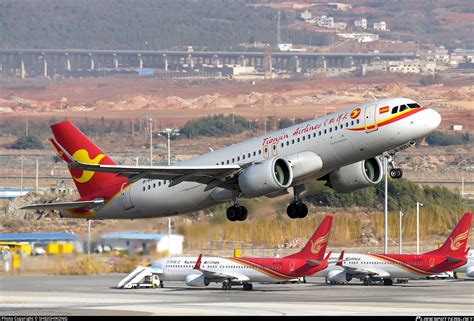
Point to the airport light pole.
(169, 132)
(418, 204)
(150, 121)
(401, 231)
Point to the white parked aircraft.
(468, 268)
(368, 267)
(341, 148)
(201, 271)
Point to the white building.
(362, 23)
(325, 22)
(306, 15)
(412, 66)
(360, 36)
(380, 26)
(340, 25)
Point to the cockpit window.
(402, 108)
(395, 110)
(414, 105)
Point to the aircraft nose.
(433, 119)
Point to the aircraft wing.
(65, 205)
(213, 174)
(357, 271)
(217, 276)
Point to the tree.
(27, 142)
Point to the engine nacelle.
(339, 276)
(269, 176)
(470, 272)
(356, 176)
(305, 164)
(198, 280)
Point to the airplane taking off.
(341, 148)
(386, 267)
(202, 271)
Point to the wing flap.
(64, 205)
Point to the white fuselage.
(468, 268)
(331, 137)
(177, 268)
(384, 267)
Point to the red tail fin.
(316, 246)
(455, 245)
(83, 150)
(341, 259)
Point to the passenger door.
(370, 118)
(127, 197)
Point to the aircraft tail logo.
(457, 242)
(316, 246)
(75, 143)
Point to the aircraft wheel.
(292, 210)
(233, 213)
(302, 210)
(248, 286)
(396, 173)
(387, 282)
(366, 282)
(243, 213)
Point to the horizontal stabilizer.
(65, 205)
(452, 259)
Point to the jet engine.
(268, 176)
(470, 272)
(356, 176)
(339, 276)
(305, 164)
(198, 280)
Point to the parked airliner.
(369, 267)
(202, 271)
(468, 268)
(341, 148)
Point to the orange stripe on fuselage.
(263, 269)
(401, 264)
(391, 119)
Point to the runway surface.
(97, 295)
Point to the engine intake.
(198, 280)
(266, 177)
(355, 176)
(339, 276)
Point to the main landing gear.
(226, 285)
(237, 213)
(297, 209)
(394, 172)
(247, 286)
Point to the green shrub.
(27, 142)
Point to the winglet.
(198, 263)
(340, 259)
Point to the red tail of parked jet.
(88, 183)
(455, 245)
(316, 246)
